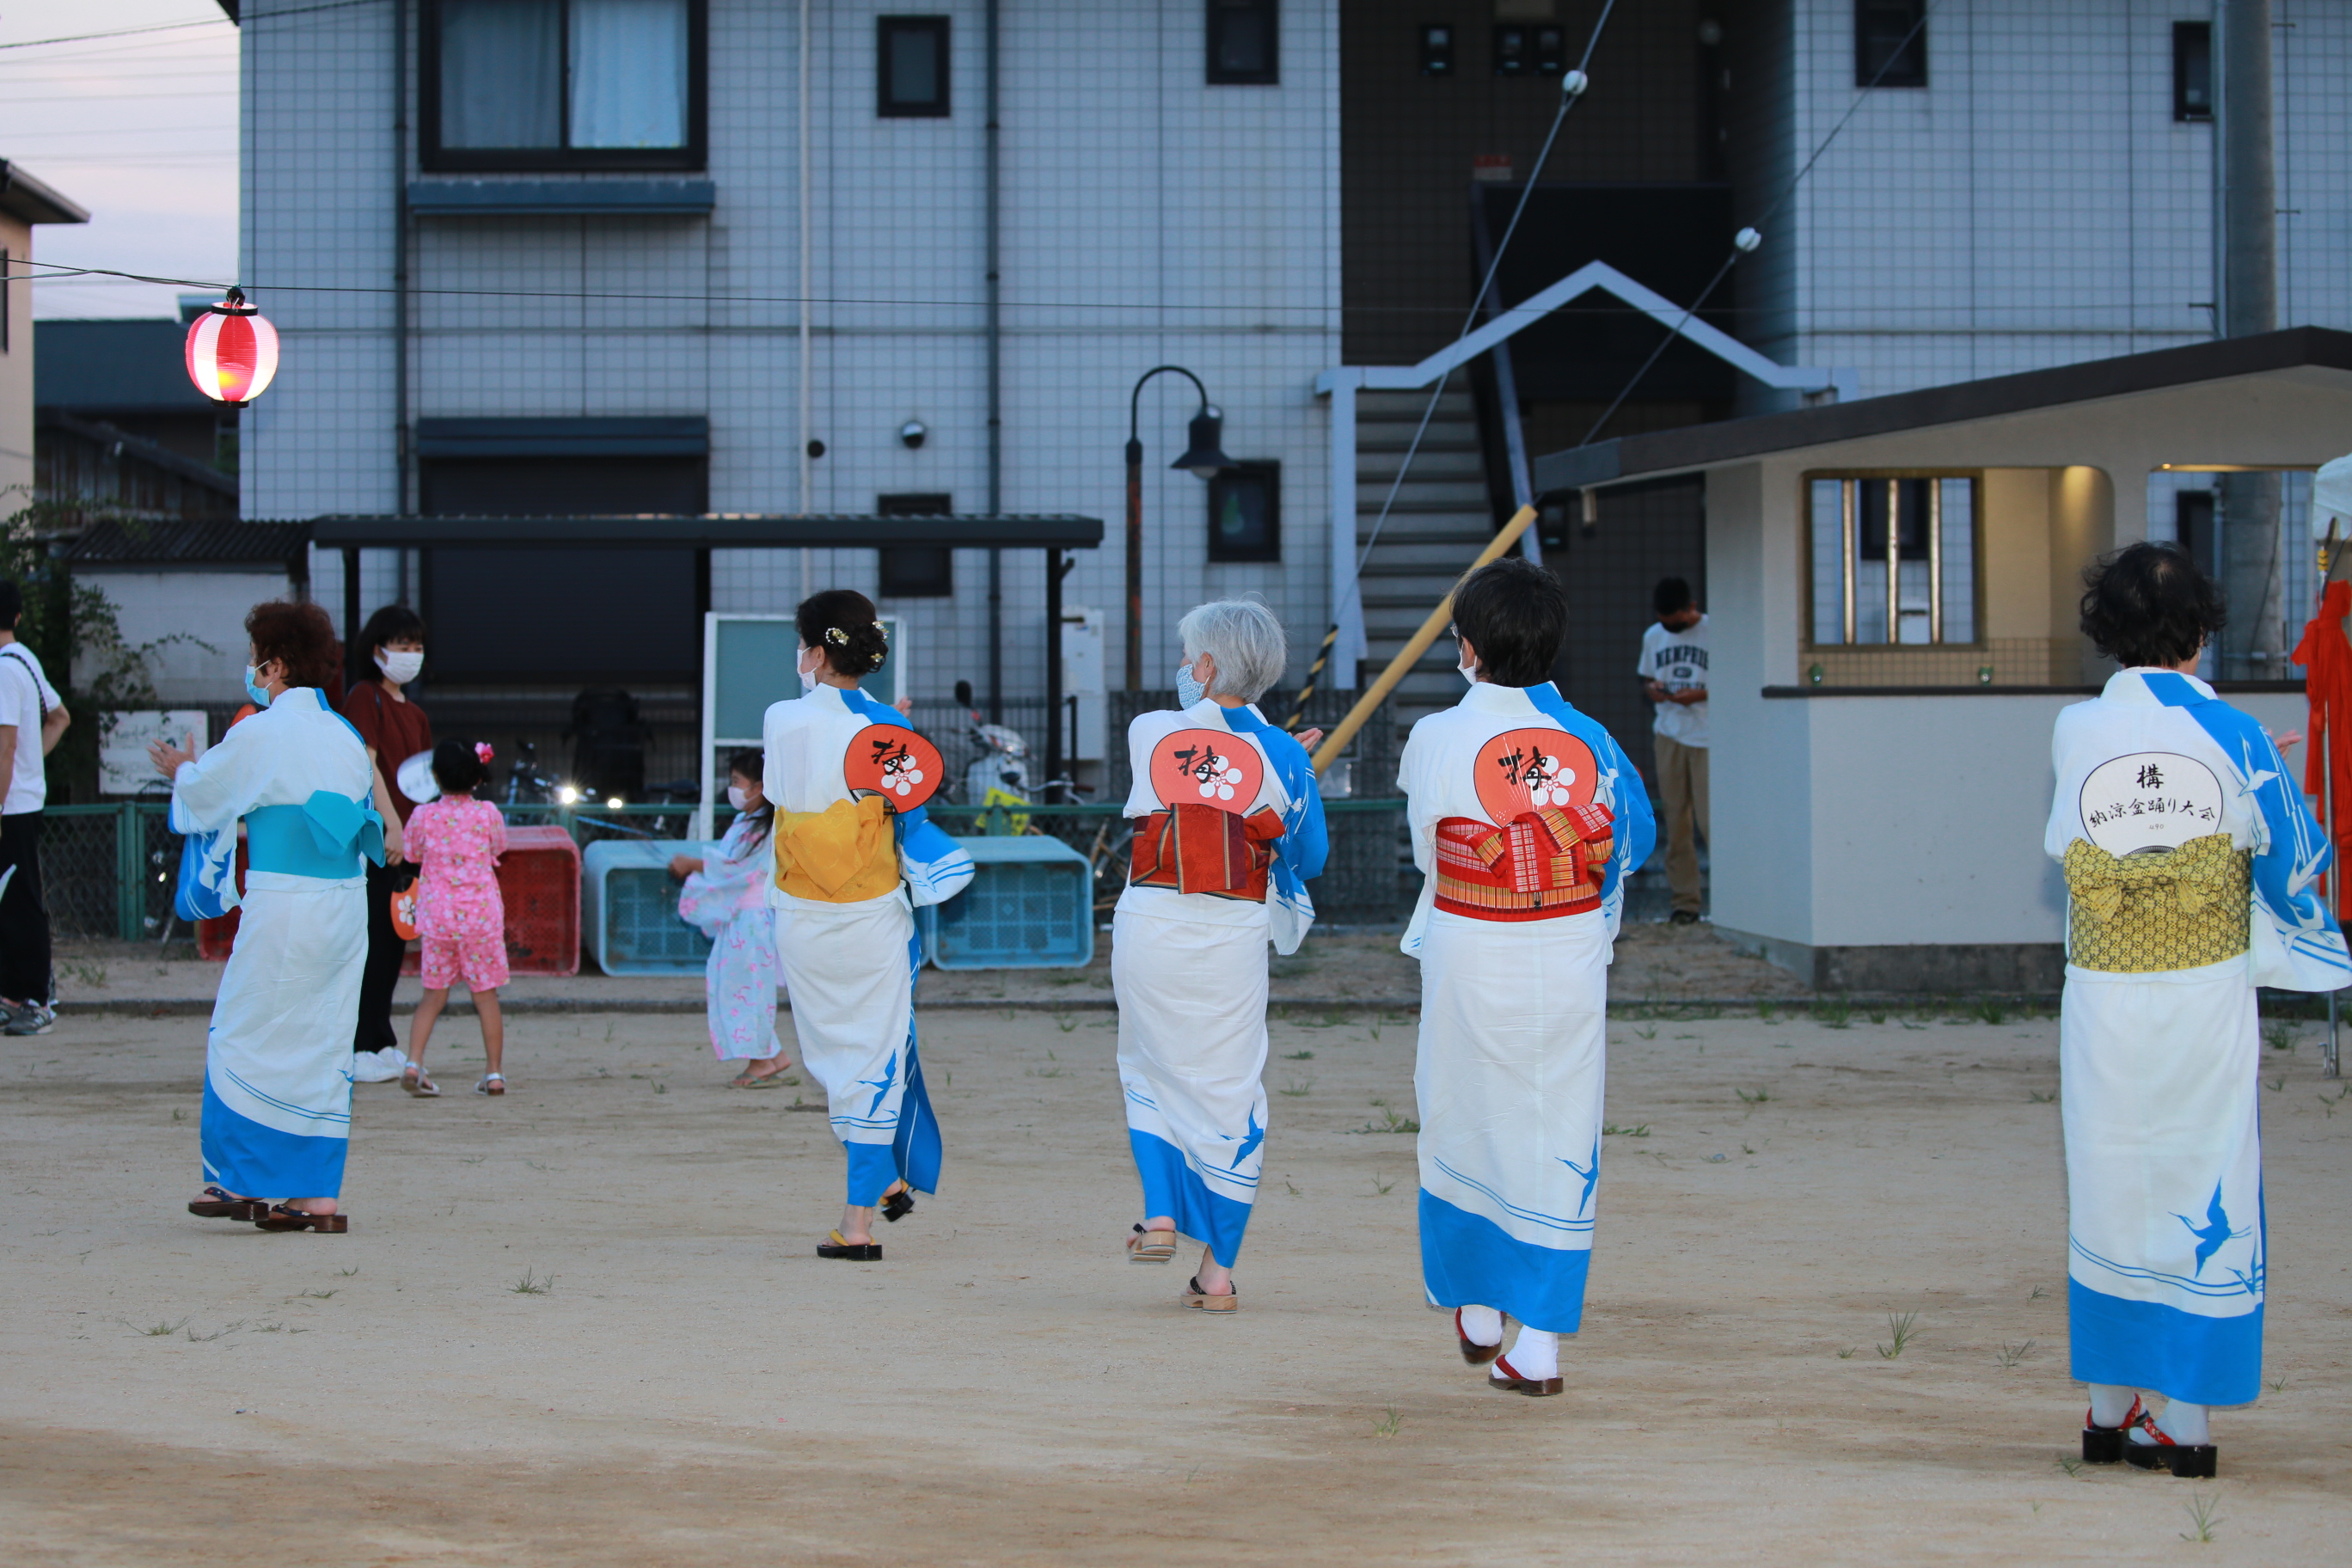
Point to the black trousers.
(24, 913)
(382, 972)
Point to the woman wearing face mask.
(1229, 828)
(853, 853)
(389, 654)
(278, 1082)
(726, 898)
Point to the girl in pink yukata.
(726, 898)
(456, 840)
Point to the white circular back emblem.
(2150, 800)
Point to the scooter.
(1000, 764)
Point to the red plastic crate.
(538, 881)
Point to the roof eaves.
(33, 202)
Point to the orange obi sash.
(1538, 866)
(1201, 849)
(845, 854)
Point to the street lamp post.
(1202, 458)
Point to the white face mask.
(1468, 672)
(400, 667)
(808, 676)
(735, 797)
(1187, 691)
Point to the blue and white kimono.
(277, 1059)
(2167, 1257)
(850, 967)
(1514, 1016)
(1190, 972)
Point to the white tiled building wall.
(2036, 204)
(1147, 219)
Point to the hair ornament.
(883, 630)
(483, 753)
(837, 637)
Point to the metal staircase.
(1441, 519)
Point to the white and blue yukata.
(277, 1059)
(2190, 859)
(1513, 1012)
(1189, 970)
(727, 901)
(849, 962)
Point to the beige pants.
(1682, 799)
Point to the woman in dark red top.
(388, 655)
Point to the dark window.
(912, 572)
(1436, 50)
(563, 84)
(1551, 51)
(2192, 70)
(564, 614)
(2192, 526)
(910, 61)
(1242, 39)
(1514, 50)
(1245, 513)
(1890, 43)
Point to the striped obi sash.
(1539, 865)
(1202, 850)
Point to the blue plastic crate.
(1031, 905)
(628, 908)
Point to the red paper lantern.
(231, 352)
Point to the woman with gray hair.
(1228, 829)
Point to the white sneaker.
(377, 1066)
(29, 1018)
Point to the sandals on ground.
(2104, 1445)
(492, 1083)
(418, 1082)
(846, 1251)
(2188, 1461)
(1506, 1379)
(282, 1217)
(1473, 1351)
(1200, 1300)
(898, 1203)
(747, 1078)
(218, 1204)
(1150, 1245)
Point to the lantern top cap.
(235, 305)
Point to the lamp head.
(1204, 458)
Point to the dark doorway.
(1639, 534)
(590, 616)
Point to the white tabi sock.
(1534, 1355)
(2186, 1424)
(2110, 1403)
(1481, 1325)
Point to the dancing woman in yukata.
(2190, 857)
(1229, 828)
(278, 1058)
(1526, 818)
(854, 854)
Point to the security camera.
(912, 433)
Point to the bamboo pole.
(1410, 655)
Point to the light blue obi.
(325, 837)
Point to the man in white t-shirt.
(1674, 677)
(31, 721)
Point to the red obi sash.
(1538, 866)
(1204, 850)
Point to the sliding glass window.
(563, 84)
(1894, 559)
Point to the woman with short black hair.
(1526, 818)
(2190, 857)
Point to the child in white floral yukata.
(456, 840)
(726, 898)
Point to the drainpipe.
(2253, 551)
(996, 399)
(808, 478)
(399, 294)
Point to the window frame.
(433, 157)
(1976, 563)
(1271, 75)
(888, 107)
(1865, 73)
(1268, 469)
(914, 503)
(2181, 113)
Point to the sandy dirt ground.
(684, 1382)
(1654, 961)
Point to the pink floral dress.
(728, 901)
(456, 842)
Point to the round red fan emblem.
(1527, 770)
(898, 764)
(1206, 767)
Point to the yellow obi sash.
(845, 854)
(2182, 909)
